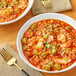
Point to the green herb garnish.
(51, 26)
(30, 30)
(68, 38)
(8, 11)
(50, 30)
(33, 26)
(47, 45)
(35, 30)
(52, 47)
(11, 5)
(66, 59)
(45, 42)
(58, 44)
(68, 28)
(46, 36)
(43, 32)
(44, 48)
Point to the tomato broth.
(12, 9)
(50, 45)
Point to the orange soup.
(50, 45)
(11, 9)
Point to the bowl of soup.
(47, 43)
(13, 10)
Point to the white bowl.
(38, 18)
(22, 15)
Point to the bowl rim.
(20, 51)
(22, 15)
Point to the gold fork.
(10, 59)
(46, 3)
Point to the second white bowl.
(22, 15)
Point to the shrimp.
(35, 60)
(62, 61)
(67, 44)
(36, 42)
(61, 37)
(38, 33)
(32, 41)
(40, 43)
(50, 39)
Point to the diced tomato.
(29, 34)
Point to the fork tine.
(5, 55)
(6, 52)
(46, 3)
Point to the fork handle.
(21, 69)
(25, 72)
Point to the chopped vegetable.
(45, 42)
(51, 26)
(58, 44)
(50, 30)
(68, 28)
(29, 34)
(3, 4)
(43, 32)
(36, 52)
(11, 5)
(47, 45)
(56, 30)
(25, 47)
(52, 47)
(44, 54)
(30, 30)
(57, 25)
(57, 66)
(68, 38)
(46, 36)
(51, 63)
(24, 40)
(15, 1)
(35, 30)
(33, 26)
(67, 50)
(44, 48)
(8, 11)
(17, 10)
(54, 51)
(47, 67)
(66, 59)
